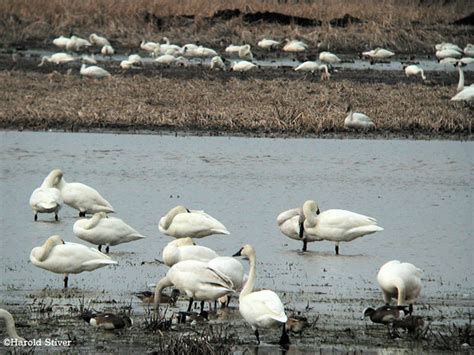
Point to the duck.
(414, 70)
(378, 53)
(107, 321)
(356, 120)
(47, 198)
(94, 72)
(149, 297)
(261, 309)
(267, 43)
(10, 325)
(329, 58)
(242, 66)
(57, 58)
(294, 46)
(310, 66)
(107, 50)
(98, 41)
(245, 53)
(60, 41)
(101, 229)
(60, 257)
(296, 324)
(217, 63)
(181, 222)
(337, 225)
(386, 315)
(184, 249)
(81, 197)
(410, 323)
(401, 281)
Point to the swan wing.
(46, 199)
(229, 269)
(266, 303)
(86, 198)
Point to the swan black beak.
(238, 253)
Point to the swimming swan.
(356, 120)
(103, 230)
(67, 258)
(47, 198)
(401, 281)
(10, 325)
(414, 70)
(180, 222)
(81, 197)
(184, 249)
(261, 309)
(291, 222)
(337, 225)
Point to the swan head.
(310, 208)
(247, 250)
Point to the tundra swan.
(378, 53)
(126, 64)
(185, 249)
(135, 59)
(328, 57)
(107, 50)
(336, 225)
(180, 222)
(99, 41)
(469, 50)
(310, 66)
(167, 48)
(448, 53)
(94, 72)
(261, 309)
(294, 46)
(89, 59)
(77, 44)
(268, 43)
(356, 120)
(10, 325)
(60, 41)
(447, 45)
(103, 230)
(290, 223)
(414, 70)
(47, 198)
(242, 66)
(67, 258)
(217, 63)
(401, 281)
(245, 52)
(166, 59)
(150, 47)
(57, 58)
(233, 48)
(81, 197)
(464, 93)
(107, 321)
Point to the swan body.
(469, 50)
(466, 60)
(58, 58)
(401, 281)
(217, 63)
(414, 70)
(328, 57)
(233, 49)
(77, 44)
(378, 53)
(467, 94)
(204, 52)
(94, 72)
(261, 309)
(10, 325)
(47, 198)
(447, 45)
(294, 46)
(67, 258)
(245, 53)
(60, 41)
(81, 197)
(268, 43)
(107, 50)
(242, 66)
(290, 223)
(356, 120)
(167, 48)
(448, 53)
(149, 47)
(180, 222)
(337, 225)
(184, 249)
(311, 67)
(98, 40)
(135, 59)
(165, 59)
(103, 230)
(126, 64)
(89, 59)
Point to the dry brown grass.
(279, 106)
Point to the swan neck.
(45, 250)
(168, 219)
(248, 287)
(50, 180)
(10, 324)
(93, 221)
(164, 282)
(461, 79)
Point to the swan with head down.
(47, 198)
(290, 223)
(184, 249)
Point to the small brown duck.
(412, 324)
(296, 324)
(149, 297)
(107, 321)
(386, 315)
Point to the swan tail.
(48, 205)
(99, 262)
(220, 231)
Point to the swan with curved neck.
(184, 249)
(291, 224)
(261, 309)
(47, 198)
(10, 324)
(67, 258)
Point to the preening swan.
(57, 58)
(81, 197)
(401, 281)
(242, 66)
(217, 63)
(193, 51)
(94, 72)
(67, 258)
(184, 249)
(245, 53)
(336, 225)
(103, 230)
(268, 43)
(261, 309)
(356, 120)
(47, 198)
(150, 47)
(328, 57)
(99, 41)
(414, 70)
(447, 45)
(10, 325)
(166, 59)
(291, 222)
(180, 222)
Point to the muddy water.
(419, 191)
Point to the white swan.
(268, 43)
(290, 223)
(150, 47)
(135, 59)
(60, 41)
(166, 59)
(180, 222)
(242, 66)
(469, 50)
(378, 53)
(460, 86)
(328, 57)
(447, 45)
(337, 225)
(67, 258)
(233, 48)
(103, 230)
(448, 53)
(81, 197)
(99, 41)
(401, 281)
(310, 66)
(197, 280)
(245, 53)
(167, 48)
(464, 93)
(356, 120)
(126, 64)
(107, 50)
(294, 46)
(185, 249)
(414, 70)
(94, 72)
(76, 44)
(89, 59)
(47, 198)
(57, 58)
(261, 309)
(217, 63)
(10, 325)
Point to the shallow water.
(419, 191)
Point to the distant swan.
(294, 46)
(245, 52)
(61, 41)
(261, 309)
(217, 63)
(337, 225)
(356, 120)
(464, 93)
(107, 50)
(242, 66)
(67, 258)
(378, 53)
(184, 249)
(328, 57)
(47, 198)
(180, 222)
(414, 70)
(103, 230)
(311, 67)
(94, 72)
(57, 58)
(10, 325)
(268, 43)
(291, 222)
(98, 40)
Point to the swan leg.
(100, 248)
(191, 300)
(257, 335)
(337, 249)
(410, 308)
(36, 217)
(56, 217)
(285, 339)
(82, 214)
(305, 244)
(66, 278)
(107, 249)
(202, 306)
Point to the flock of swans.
(199, 272)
